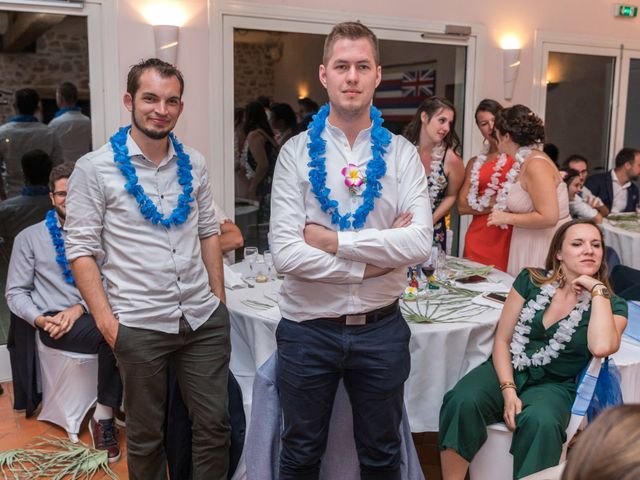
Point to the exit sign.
(625, 10)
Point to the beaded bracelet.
(596, 285)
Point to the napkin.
(480, 300)
(232, 280)
(483, 287)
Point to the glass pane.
(632, 121)
(42, 60)
(584, 84)
(282, 67)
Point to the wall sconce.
(166, 38)
(510, 64)
(166, 17)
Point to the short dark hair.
(68, 92)
(284, 112)
(626, 155)
(36, 166)
(574, 158)
(352, 31)
(552, 151)
(59, 172)
(27, 100)
(163, 68)
(308, 105)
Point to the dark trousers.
(374, 362)
(202, 368)
(84, 337)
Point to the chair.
(340, 461)
(69, 386)
(493, 461)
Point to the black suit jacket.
(601, 185)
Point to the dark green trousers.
(202, 369)
(476, 401)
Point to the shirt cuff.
(357, 271)
(346, 244)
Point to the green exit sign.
(626, 11)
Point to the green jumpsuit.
(546, 392)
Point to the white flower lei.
(563, 335)
(435, 180)
(512, 176)
(491, 189)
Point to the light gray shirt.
(16, 139)
(35, 281)
(74, 130)
(154, 275)
(319, 284)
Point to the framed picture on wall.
(402, 89)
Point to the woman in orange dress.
(483, 179)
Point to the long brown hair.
(431, 106)
(552, 265)
(609, 448)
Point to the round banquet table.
(624, 241)
(441, 353)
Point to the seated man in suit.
(41, 290)
(616, 188)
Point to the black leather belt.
(367, 317)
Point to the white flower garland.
(436, 180)
(249, 172)
(512, 176)
(563, 335)
(480, 204)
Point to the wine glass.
(250, 256)
(268, 261)
(442, 272)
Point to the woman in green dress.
(552, 323)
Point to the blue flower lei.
(58, 243)
(146, 206)
(376, 169)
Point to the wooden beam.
(26, 29)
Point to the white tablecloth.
(624, 242)
(440, 353)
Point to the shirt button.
(178, 278)
(161, 196)
(173, 251)
(179, 303)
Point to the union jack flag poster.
(403, 88)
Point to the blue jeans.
(374, 362)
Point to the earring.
(561, 275)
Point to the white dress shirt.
(155, 275)
(620, 192)
(16, 139)
(35, 281)
(319, 284)
(74, 130)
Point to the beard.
(61, 213)
(153, 134)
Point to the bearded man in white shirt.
(143, 204)
(350, 211)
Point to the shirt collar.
(339, 134)
(614, 177)
(134, 150)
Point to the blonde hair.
(352, 31)
(609, 448)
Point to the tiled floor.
(16, 431)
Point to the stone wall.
(62, 54)
(253, 72)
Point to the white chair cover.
(493, 461)
(340, 461)
(69, 386)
